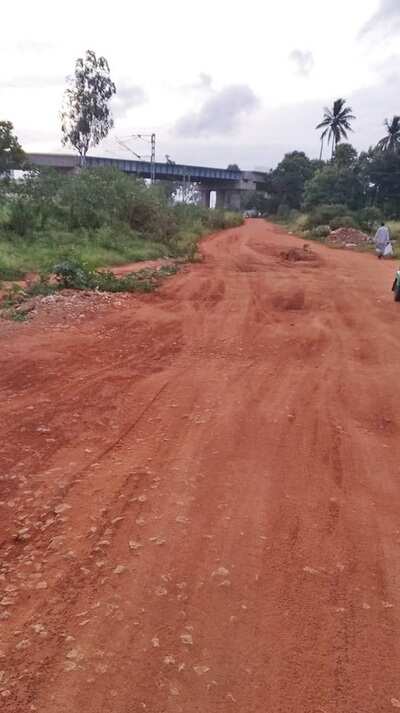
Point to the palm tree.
(391, 142)
(336, 123)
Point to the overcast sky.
(219, 81)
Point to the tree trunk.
(322, 148)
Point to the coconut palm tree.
(391, 142)
(336, 123)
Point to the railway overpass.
(230, 186)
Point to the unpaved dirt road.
(200, 492)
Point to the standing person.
(382, 240)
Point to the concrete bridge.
(230, 186)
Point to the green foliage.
(109, 245)
(11, 153)
(321, 231)
(394, 227)
(76, 275)
(324, 214)
(289, 178)
(336, 123)
(346, 221)
(390, 142)
(86, 118)
(22, 216)
(257, 200)
(369, 217)
(334, 184)
(345, 156)
(382, 168)
(101, 217)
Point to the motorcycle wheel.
(397, 293)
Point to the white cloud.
(32, 81)
(169, 74)
(304, 62)
(386, 21)
(220, 113)
(126, 98)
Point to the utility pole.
(148, 138)
(153, 159)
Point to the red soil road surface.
(201, 492)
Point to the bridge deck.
(164, 171)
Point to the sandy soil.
(200, 490)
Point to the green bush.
(324, 214)
(321, 231)
(22, 217)
(76, 275)
(369, 218)
(100, 217)
(347, 221)
(394, 227)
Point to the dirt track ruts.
(200, 492)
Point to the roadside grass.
(105, 246)
(71, 226)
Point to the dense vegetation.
(350, 188)
(100, 217)
(356, 181)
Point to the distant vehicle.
(251, 213)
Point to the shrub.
(76, 275)
(22, 217)
(323, 214)
(347, 221)
(369, 217)
(100, 217)
(321, 231)
(72, 274)
(394, 227)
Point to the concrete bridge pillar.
(220, 199)
(228, 199)
(204, 197)
(233, 200)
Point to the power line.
(149, 139)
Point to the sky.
(219, 81)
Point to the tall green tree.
(335, 184)
(391, 142)
(11, 153)
(289, 177)
(345, 156)
(86, 118)
(336, 123)
(382, 169)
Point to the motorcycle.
(396, 287)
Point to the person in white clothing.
(382, 240)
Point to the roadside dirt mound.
(65, 308)
(348, 238)
(305, 254)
